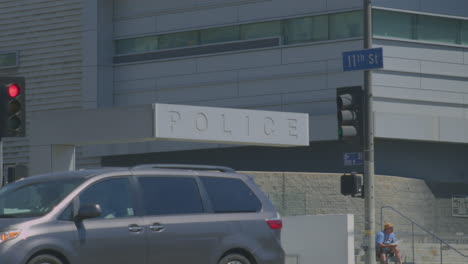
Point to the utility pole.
(369, 142)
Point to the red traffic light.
(13, 90)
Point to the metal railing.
(413, 223)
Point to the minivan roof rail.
(184, 166)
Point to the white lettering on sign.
(226, 125)
(175, 116)
(293, 127)
(269, 126)
(225, 129)
(201, 122)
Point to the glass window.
(177, 40)
(346, 25)
(135, 45)
(464, 33)
(35, 199)
(261, 30)
(113, 196)
(222, 34)
(8, 60)
(393, 24)
(438, 29)
(306, 29)
(230, 195)
(170, 195)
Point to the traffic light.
(350, 113)
(12, 107)
(351, 184)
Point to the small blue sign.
(352, 158)
(363, 59)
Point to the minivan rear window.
(229, 195)
(170, 195)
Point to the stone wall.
(319, 193)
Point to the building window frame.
(6, 55)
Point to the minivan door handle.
(135, 228)
(156, 227)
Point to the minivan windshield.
(35, 199)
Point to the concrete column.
(51, 158)
(97, 66)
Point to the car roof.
(84, 174)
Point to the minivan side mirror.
(88, 211)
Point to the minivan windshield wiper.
(25, 215)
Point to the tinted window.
(114, 197)
(170, 195)
(230, 195)
(393, 24)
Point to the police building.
(271, 55)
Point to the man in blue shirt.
(385, 243)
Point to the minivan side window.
(113, 195)
(170, 195)
(229, 195)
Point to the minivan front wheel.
(45, 259)
(234, 259)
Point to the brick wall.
(319, 193)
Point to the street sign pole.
(369, 202)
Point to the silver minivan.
(148, 214)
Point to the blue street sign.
(363, 59)
(352, 158)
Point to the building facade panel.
(192, 94)
(241, 60)
(135, 26)
(278, 9)
(418, 108)
(442, 68)
(449, 7)
(396, 79)
(154, 69)
(196, 19)
(449, 84)
(419, 95)
(418, 51)
(197, 79)
(282, 85)
(47, 37)
(318, 52)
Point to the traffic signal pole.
(1, 162)
(369, 202)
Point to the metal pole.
(1, 162)
(412, 231)
(369, 142)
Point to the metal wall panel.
(47, 34)
(154, 69)
(318, 52)
(419, 51)
(448, 7)
(135, 26)
(239, 60)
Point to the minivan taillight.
(275, 224)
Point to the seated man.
(385, 243)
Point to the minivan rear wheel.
(234, 259)
(45, 259)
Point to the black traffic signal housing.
(351, 184)
(12, 107)
(350, 113)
